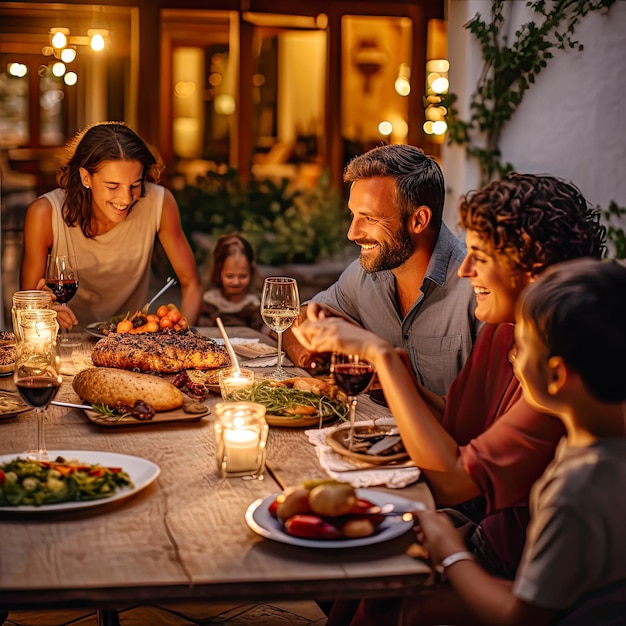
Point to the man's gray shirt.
(439, 330)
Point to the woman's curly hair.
(89, 148)
(534, 221)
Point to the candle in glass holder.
(241, 436)
(232, 380)
(33, 299)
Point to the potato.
(107, 385)
(293, 502)
(332, 499)
(360, 527)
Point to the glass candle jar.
(232, 381)
(39, 326)
(38, 348)
(241, 437)
(24, 301)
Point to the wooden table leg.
(108, 617)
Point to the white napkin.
(266, 361)
(359, 473)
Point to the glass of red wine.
(352, 375)
(62, 280)
(37, 363)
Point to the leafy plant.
(616, 234)
(283, 224)
(510, 68)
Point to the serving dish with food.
(373, 443)
(163, 353)
(71, 479)
(331, 514)
(119, 397)
(166, 317)
(7, 353)
(11, 404)
(296, 402)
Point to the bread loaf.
(109, 386)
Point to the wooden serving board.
(295, 422)
(178, 415)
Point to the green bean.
(277, 398)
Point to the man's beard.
(391, 255)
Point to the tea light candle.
(241, 435)
(242, 449)
(233, 381)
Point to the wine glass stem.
(352, 401)
(41, 435)
(279, 356)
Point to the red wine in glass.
(64, 290)
(352, 376)
(62, 280)
(38, 391)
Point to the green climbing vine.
(510, 68)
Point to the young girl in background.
(232, 286)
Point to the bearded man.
(405, 285)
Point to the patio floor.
(188, 614)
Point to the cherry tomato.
(152, 327)
(162, 311)
(153, 317)
(174, 316)
(124, 326)
(165, 322)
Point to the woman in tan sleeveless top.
(106, 213)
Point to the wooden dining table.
(184, 536)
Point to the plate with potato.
(301, 521)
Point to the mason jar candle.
(241, 437)
(24, 301)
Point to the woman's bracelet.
(463, 555)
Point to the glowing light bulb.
(68, 55)
(59, 40)
(97, 42)
(58, 69)
(439, 128)
(19, 70)
(71, 78)
(440, 85)
(385, 128)
(402, 86)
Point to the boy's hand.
(438, 535)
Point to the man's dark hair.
(418, 178)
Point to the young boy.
(570, 358)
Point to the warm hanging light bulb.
(59, 37)
(97, 42)
(68, 55)
(58, 69)
(70, 78)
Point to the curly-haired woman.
(482, 441)
(106, 213)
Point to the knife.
(72, 405)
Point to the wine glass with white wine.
(280, 305)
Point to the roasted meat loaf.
(165, 353)
(7, 352)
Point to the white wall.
(572, 121)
